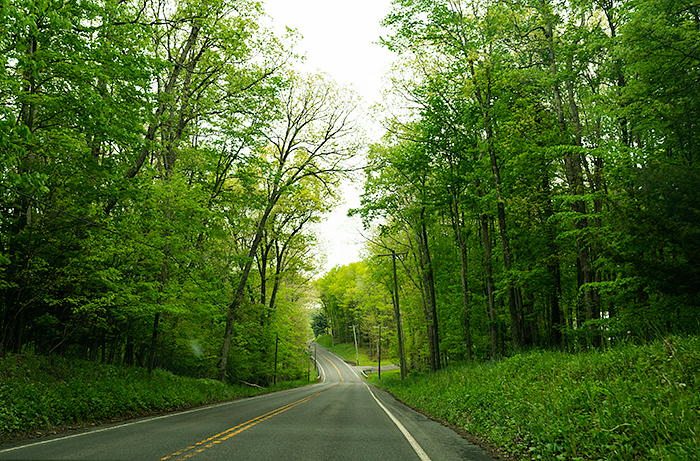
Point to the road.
(341, 418)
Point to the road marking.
(227, 434)
(336, 368)
(416, 447)
(133, 423)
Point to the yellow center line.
(336, 368)
(228, 433)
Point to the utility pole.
(357, 350)
(379, 368)
(277, 341)
(397, 314)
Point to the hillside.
(627, 403)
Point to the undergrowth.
(48, 393)
(627, 403)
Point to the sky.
(340, 38)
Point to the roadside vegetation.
(44, 395)
(347, 352)
(630, 402)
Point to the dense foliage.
(537, 183)
(160, 165)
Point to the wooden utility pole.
(308, 363)
(357, 350)
(379, 368)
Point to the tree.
(116, 174)
(319, 323)
(398, 189)
(474, 42)
(66, 121)
(312, 141)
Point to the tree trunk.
(240, 290)
(397, 318)
(490, 286)
(574, 174)
(555, 326)
(464, 271)
(163, 105)
(21, 218)
(154, 342)
(156, 317)
(262, 268)
(430, 309)
(129, 348)
(483, 96)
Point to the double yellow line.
(336, 368)
(227, 434)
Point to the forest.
(163, 165)
(162, 168)
(537, 184)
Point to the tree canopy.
(539, 178)
(161, 166)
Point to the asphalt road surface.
(341, 418)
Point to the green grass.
(347, 352)
(628, 403)
(45, 394)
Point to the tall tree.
(313, 140)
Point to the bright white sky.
(339, 38)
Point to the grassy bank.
(628, 403)
(347, 352)
(41, 395)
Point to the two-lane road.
(341, 418)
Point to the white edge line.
(321, 371)
(414, 444)
(119, 426)
(341, 360)
(416, 447)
